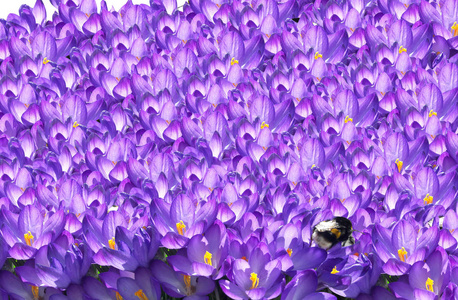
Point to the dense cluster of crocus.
(159, 152)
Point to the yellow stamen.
(289, 251)
(234, 61)
(432, 113)
(208, 258)
(26, 105)
(141, 295)
(336, 232)
(187, 282)
(402, 254)
(455, 29)
(45, 61)
(117, 78)
(218, 5)
(428, 199)
(430, 285)
(254, 280)
(317, 55)
(114, 163)
(28, 238)
(244, 258)
(87, 15)
(35, 292)
(402, 49)
(112, 243)
(335, 271)
(406, 5)
(313, 166)
(75, 124)
(264, 125)
(181, 228)
(348, 119)
(399, 164)
(267, 35)
(118, 296)
(184, 42)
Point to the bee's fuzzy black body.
(330, 232)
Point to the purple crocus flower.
(179, 221)
(28, 231)
(142, 287)
(115, 245)
(427, 279)
(256, 278)
(303, 286)
(402, 246)
(177, 284)
(293, 253)
(206, 255)
(57, 265)
(10, 283)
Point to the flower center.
(348, 119)
(75, 124)
(430, 285)
(428, 199)
(187, 282)
(318, 55)
(402, 254)
(399, 163)
(208, 258)
(141, 295)
(254, 280)
(432, 113)
(35, 291)
(45, 61)
(264, 125)
(455, 29)
(181, 227)
(335, 271)
(112, 243)
(289, 251)
(234, 61)
(402, 49)
(28, 238)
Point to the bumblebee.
(328, 233)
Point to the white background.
(12, 6)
